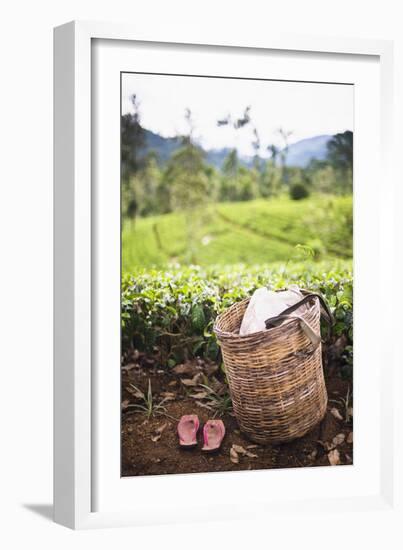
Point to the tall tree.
(340, 151)
(132, 140)
(256, 147)
(186, 178)
(274, 152)
(284, 135)
(340, 158)
(231, 164)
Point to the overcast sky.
(306, 110)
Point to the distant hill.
(305, 150)
(216, 157)
(299, 153)
(163, 147)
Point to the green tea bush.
(299, 191)
(172, 311)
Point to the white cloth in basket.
(266, 304)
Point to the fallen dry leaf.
(199, 395)
(336, 414)
(252, 446)
(135, 391)
(210, 369)
(338, 439)
(191, 381)
(134, 354)
(233, 456)
(130, 367)
(313, 454)
(250, 455)
(337, 349)
(168, 396)
(350, 437)
(125, 404)
(239, 449)
(184, 369)
(334, 457)
(217, 386)
(201, 404)
(158, 432)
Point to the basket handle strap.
(305, 326)
(326, 314)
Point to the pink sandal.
(213, 435)
(187, 430)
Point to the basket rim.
(225, 335)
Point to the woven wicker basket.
(275, 376)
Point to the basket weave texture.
(275, 376)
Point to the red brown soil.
(146, 451)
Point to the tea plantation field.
(253, 232)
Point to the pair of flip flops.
(213, 433)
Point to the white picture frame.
(88, 492)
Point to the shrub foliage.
(299, 191)
(172, 312)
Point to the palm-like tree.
(274, 151)
(284, 135)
